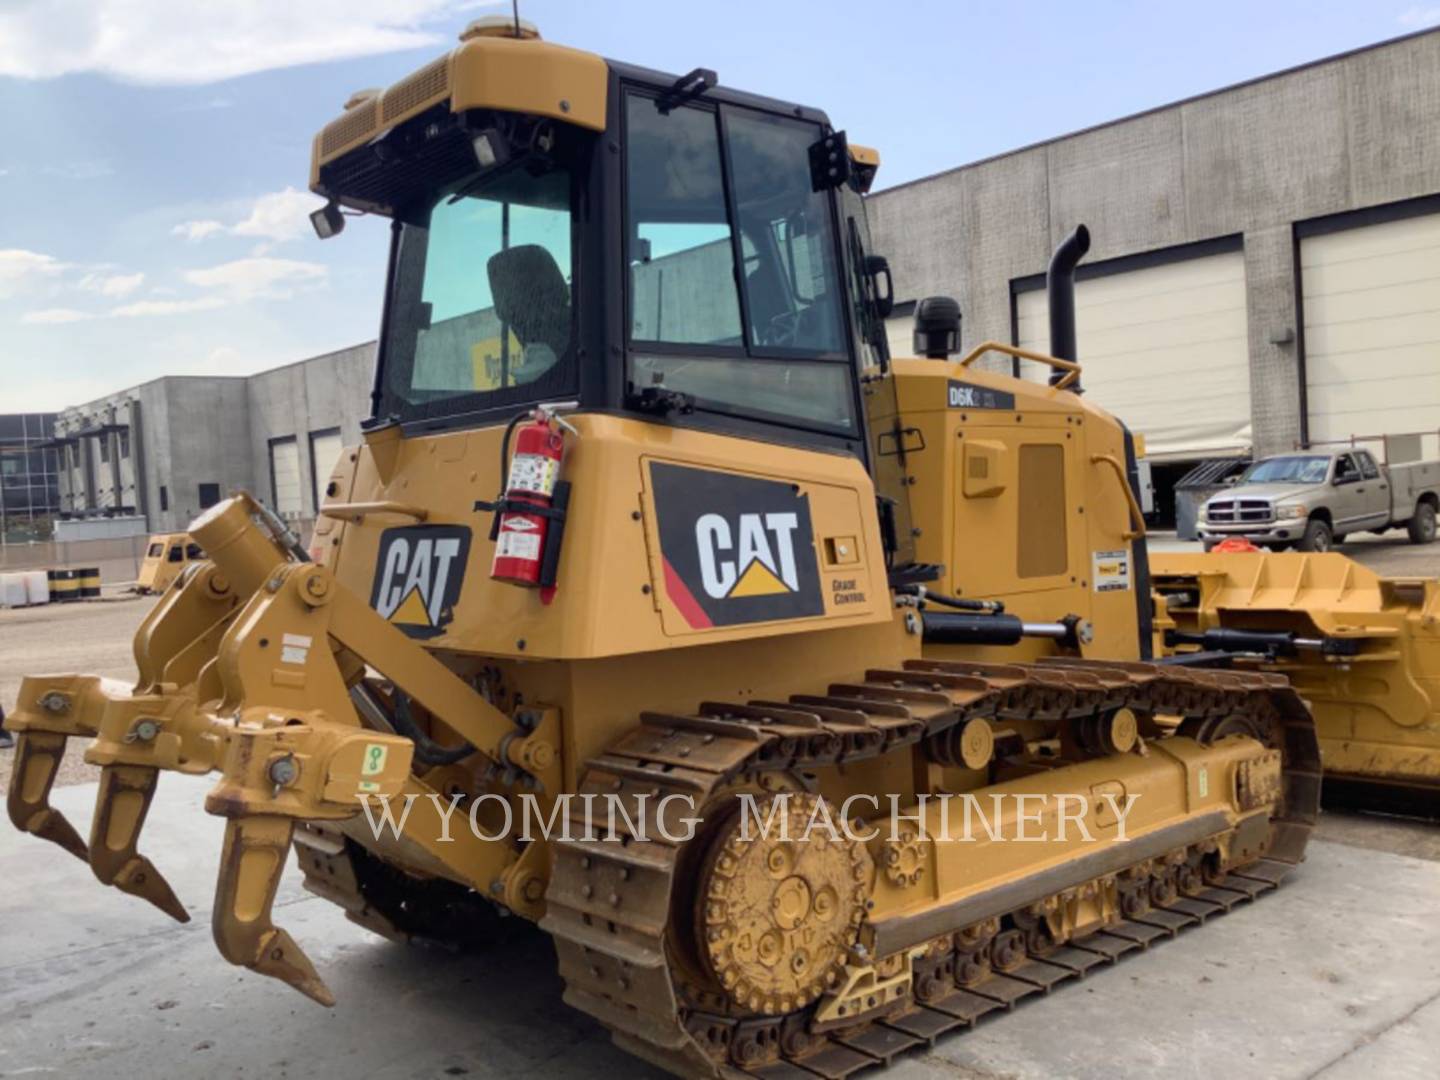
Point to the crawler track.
(609, 904)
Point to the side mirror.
(875, 268)
(328, 221)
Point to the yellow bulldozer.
(812, 700)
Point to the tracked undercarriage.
(647, 935)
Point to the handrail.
(357, 510)
(1071, 369)
(1137, 516)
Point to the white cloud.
(181, 41)
(113, 285)
(250, 279)
(197, 230)
(275, 218)
(144, 308)
(53, 316)
(280, 216)
(1417, 16)
(23, 271)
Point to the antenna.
(515, 8)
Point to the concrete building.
(167, 449)
(1265, 268)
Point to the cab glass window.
(791, 281)
(176, 554)
(154, 551)
(682, 260)
(1368, 469)
(481, 309)
(720, 201)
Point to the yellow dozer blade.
(1363, 650)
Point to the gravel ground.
(95, 636)
(92, 636)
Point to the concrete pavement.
(1337, 975)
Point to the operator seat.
(531, 297)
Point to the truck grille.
(1238, 511)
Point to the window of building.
(104, 450)
(125, 444)
(209, 495)
(285, 476)
(164, 497)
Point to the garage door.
(1164, 348)
(1372, 330)
(285, 471)
(325, 449)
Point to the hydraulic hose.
(427, 749)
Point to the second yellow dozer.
(745, 572)
(1361, 649)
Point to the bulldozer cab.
(166, 556)
(665, 247)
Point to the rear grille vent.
(357, 122)
(429, 82)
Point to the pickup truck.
(1312, 500)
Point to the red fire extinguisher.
(528, 511)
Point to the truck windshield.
(1287, 470)
(481, 305)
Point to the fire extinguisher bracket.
(500, 507)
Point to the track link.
(609, 904)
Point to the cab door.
(1349, 507)
(1375, 487)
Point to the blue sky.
(154, 153)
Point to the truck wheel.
(1318, 536)
(1421, 527)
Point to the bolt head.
(284, 771)
(54, 702)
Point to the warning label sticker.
(1110, 571)
(517, 545)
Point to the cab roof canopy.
(493, 68)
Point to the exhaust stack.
(1060, 290)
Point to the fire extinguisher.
(532, 506)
